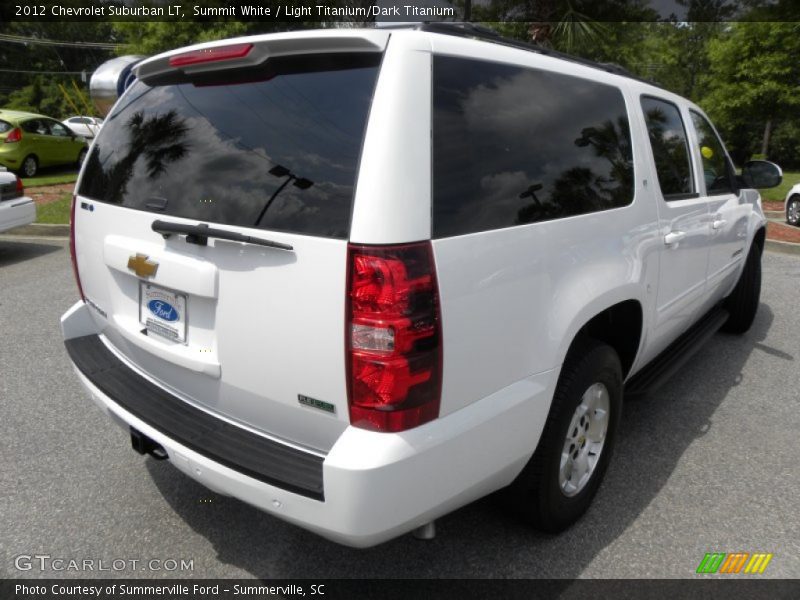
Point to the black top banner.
(360, 12)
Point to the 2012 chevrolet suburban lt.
(360, 278)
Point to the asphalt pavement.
(707, 464)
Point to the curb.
(775, 214)
(782, 247)
(40, 229)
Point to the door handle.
(718, 224)
(673, 237)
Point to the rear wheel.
(30, 166)
(793, 211)
(742, 304)
(557, 485)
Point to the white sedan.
(16, 209)
(793, 206)
(84, 126)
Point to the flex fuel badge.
(314, 403)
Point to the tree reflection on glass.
(579, 189)
(158, 139)
(670, 151)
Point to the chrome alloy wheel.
(585, 439)
(793, 211)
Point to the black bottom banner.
(405, 589)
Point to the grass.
(778, 194)
(49, 177)
(55, 212)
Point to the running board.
(666, 364)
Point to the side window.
(35, 126)
(717, 169)
(57, 129)
(670, 148)
(514, 145)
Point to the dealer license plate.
(163, 312)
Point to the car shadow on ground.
(482, 540)
(12, 252)
(56, 170)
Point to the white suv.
(359, 278)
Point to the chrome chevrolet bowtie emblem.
(141, 266)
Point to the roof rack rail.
(480, 32)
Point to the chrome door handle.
(673, 237)
(718, 224)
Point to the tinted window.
(38, 126)
(275, 148)
(717, 170)
(513, 145)
(670, 149)
(58, 129)
(83, 120)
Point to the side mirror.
(759, 174)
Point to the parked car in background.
(16, 208)
(793, 206)
(29, 142)
(83, 125)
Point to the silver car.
(16, 209)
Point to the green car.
(29, 141)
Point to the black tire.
(793, 211)
(742, 304)
(29, 166)
(82, 157)
(537, 493)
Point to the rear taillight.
(394, 340)
(20, 187)
(72, 253)
(15, 135)
(207, 55)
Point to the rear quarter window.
(667, 134)
(275, 148)
(5, 127)
(514, 145)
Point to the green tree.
(32, 66)
(152, 37)
(754, 76)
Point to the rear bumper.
(16, 212)
(375, 486)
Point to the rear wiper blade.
(199, 234)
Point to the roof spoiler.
(255, 50)
(111, 79)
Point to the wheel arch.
(620, 325)
(760, 238)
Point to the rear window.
(275, 148)
(515, 145)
